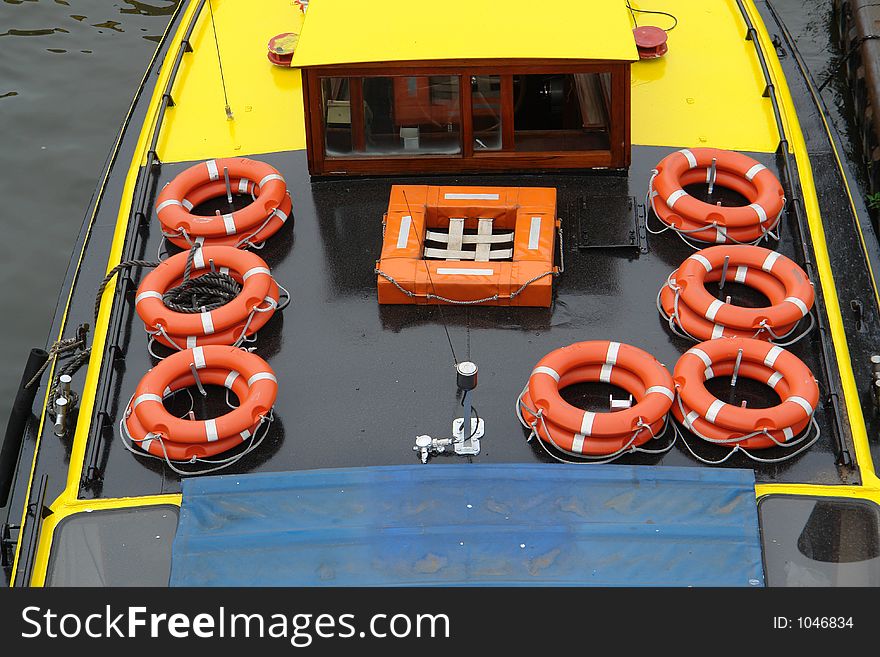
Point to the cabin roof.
(354, 32)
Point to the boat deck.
(358, 381)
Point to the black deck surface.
(358, 381)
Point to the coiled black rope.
(202, 294)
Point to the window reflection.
(558, 112)
(411, 115)
(820, 541)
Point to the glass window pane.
(412, 115)
(558, 112)
(336, 95)
(486, 110)
(820, 541)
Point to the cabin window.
(412, 115)
(439, 117)
(486, 113)
(336, 98)
(561, 112)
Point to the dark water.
(68, 70)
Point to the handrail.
(844, 458)
(147, 179)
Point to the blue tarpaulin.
(471, 524)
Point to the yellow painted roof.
(706, 91)
(355, 31)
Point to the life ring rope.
(814, 427)
(269, 209)
(691, 312)
(629, 448)
(696, 221)
(785, 425)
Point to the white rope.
(629, 448)
(766, 231)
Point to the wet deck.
(358, 381)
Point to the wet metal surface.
(358, 381)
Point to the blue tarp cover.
(471, 524)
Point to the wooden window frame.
(467, 161)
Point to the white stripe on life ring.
(689, 419)
(245, 434)
(788, 433)
(771, 258)
(147, 396)
(207, 323)
(199, 259)
(587, 423)
(605, 373)
(720, 235)
(230, 379)
(774, 378)
(192, 341)
(702, 355)
(741, 273)
(229, 223)
(577, 443)
(754, 171)
(260, 376)
(717, 331)
(702, 260)
(211, 431)
(692, 161)
(799, 303)
(545, 370)
(674, 196)
(663, 390)
(243, 185)
(149, 294)
(213, 173)
(713, 410)
(772, 355)
(281, 215)
(709, 374)
(199, 358)
(803, 403)
(185, 203)
(271, 176)
(255, 270)
(713, 309)
(168, 203)
(611, 355)
(762, 215)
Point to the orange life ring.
(224, 324)
(203, 181)
(685, 301)
(705, 222)
(253, 408)
(581, 432)
(157, 446)
(722, 423)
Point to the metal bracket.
(467, 446)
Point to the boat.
(419, 294)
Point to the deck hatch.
(609, 222)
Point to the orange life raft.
(686, 304)
(226, 325)
(753, 428)
(253, 224)
(151, 427)
(469, 245)
(586, 433)
(704, 222)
